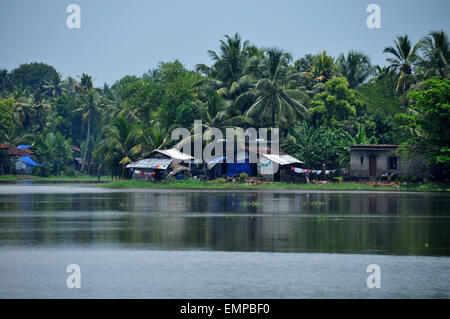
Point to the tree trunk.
(273, 117)
(86, 144)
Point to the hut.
(159, 164)
(23, 163)
(284, 173)
(264, 166)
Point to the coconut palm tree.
(355, 67)
(229, 62)
(54, 150)
(270, 99)
(15, 136)
(216, 111)
(85, 84)
(89, 107)
(403, 61)
(435, 48)
(323, 67)
(38, 106)
(120, 145)
(153, 138)
(54, 85)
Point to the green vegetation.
(429, 119)
(196, 184)
(322, 105)
(55, 178)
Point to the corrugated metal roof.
(153, 163)
(176, 154)
(15, 151)
(282, 159)
(373, 147)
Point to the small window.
(362, 160)
(392, 161)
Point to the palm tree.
(153, 138)
(405, 57)
(37, 105)
(85, 83)
(54, 85)
(215, 112)
(17, 111)
(54, 150)
(89, 107)
(70, 85)
(229, 63)
(111, 105)
(435, 48)
(270, 98)
(355, 67)
(323, 67)
(120, 145)
(15, 136)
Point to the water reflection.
(385, 223)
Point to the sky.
(119, 38)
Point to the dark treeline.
(322, 105)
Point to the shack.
(23, 163)
(370, 161)
(160, 163)
(285, 173)
(265, 167)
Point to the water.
(221, 244)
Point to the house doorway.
(372, 166)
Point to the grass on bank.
(196, 184)
(54, 178)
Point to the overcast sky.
(118, 37)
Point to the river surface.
(221, 244)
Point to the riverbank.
(195, 184)
(57, 178)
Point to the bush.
(43, 171)
(243, 177)
(410, 179)
(69, 171)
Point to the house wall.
(22, 168)
(415, 165)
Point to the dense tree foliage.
(429, 121)
(322, 104)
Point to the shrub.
(410, 179)
(43, 171)
(243, 177)
(69, 171)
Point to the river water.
(221, 244)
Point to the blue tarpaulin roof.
(21, 147)
(27, 160)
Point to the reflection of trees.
(305, 222)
